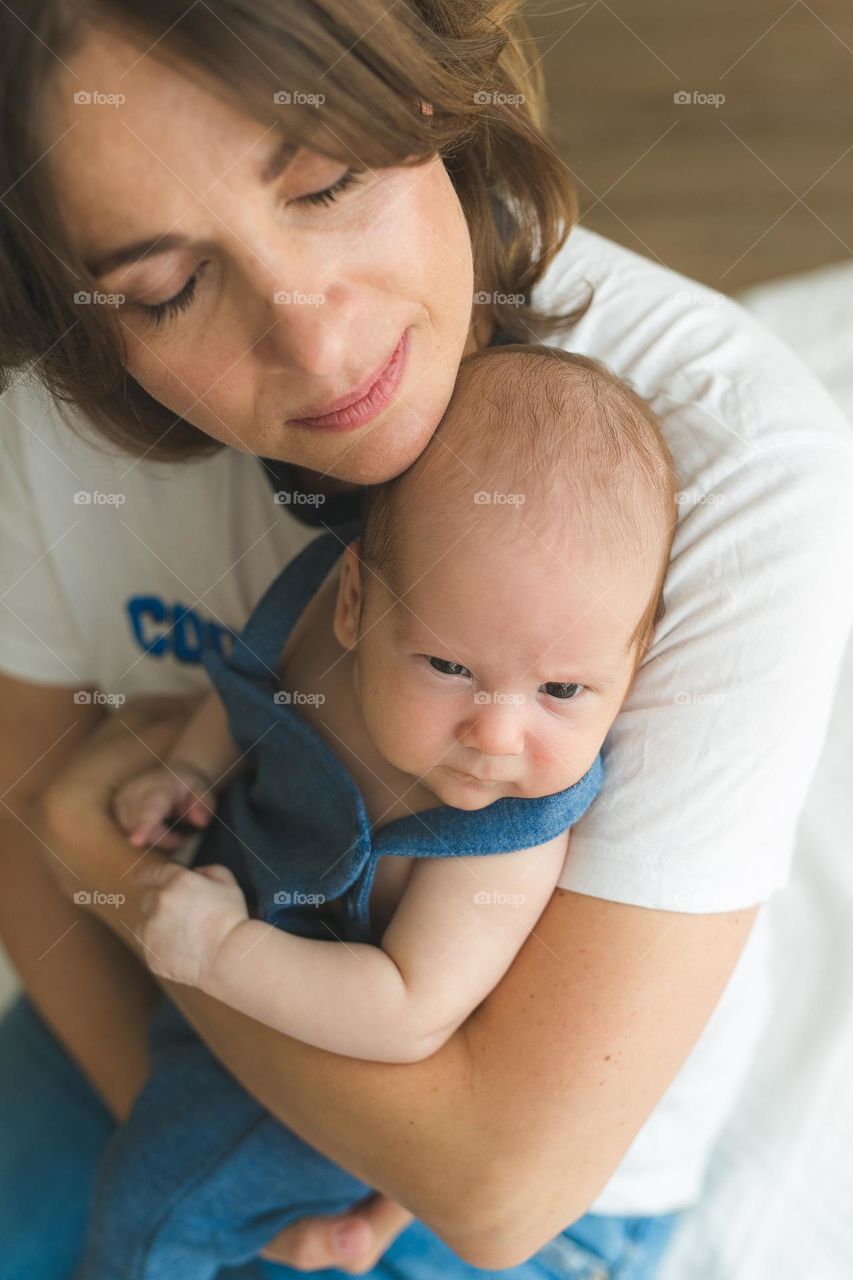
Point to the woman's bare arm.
(90, 989)
(510, 1131)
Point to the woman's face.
(254, 304)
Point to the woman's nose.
(496, 727)
(305, 332)
(299, 317)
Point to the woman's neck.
(313, 482)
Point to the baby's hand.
(186, 917)
(149, 805)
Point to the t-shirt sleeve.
(708, 763)
(39, 638)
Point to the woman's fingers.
(386, 1219)
(314, 1244)
(352, 1242)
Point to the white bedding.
(778, 1202)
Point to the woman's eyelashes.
(180, 301)
(562, 690)
(160, 311)
(329, 194)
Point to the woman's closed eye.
(180, 301)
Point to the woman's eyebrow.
(279, 160)
(128, 253)
(135, 253)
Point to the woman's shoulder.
(48, 445)
(725, 388)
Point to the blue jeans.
(53, 1131)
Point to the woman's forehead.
(127, 131)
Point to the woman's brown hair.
(472, 61)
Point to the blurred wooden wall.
(758, 186)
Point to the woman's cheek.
(186, 377)
(427, 228)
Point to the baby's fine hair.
(552, 435)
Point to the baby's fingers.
(214, 871)
(151, 825)
(141, 801)
(198, 813)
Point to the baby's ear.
(348, 603)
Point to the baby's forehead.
(490, 578)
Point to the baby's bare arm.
(454, 934)
(206, 741)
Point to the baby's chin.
(465, 795)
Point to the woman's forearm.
(419, 1132)
(92, 992)
(431, 1135)
(414, 1131)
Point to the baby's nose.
(496, 727)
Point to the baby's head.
(506, 585)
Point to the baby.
(409, 725)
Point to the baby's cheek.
(421, 736)
(561, 760)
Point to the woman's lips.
(369, 401)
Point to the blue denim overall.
(200, 1176)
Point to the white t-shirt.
(707, 764)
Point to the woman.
(222, 225)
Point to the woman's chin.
(372, 454)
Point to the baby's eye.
(566, 692)
(447, 668)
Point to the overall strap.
(258, 646)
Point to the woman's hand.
(352, 1242)
(74, 814)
